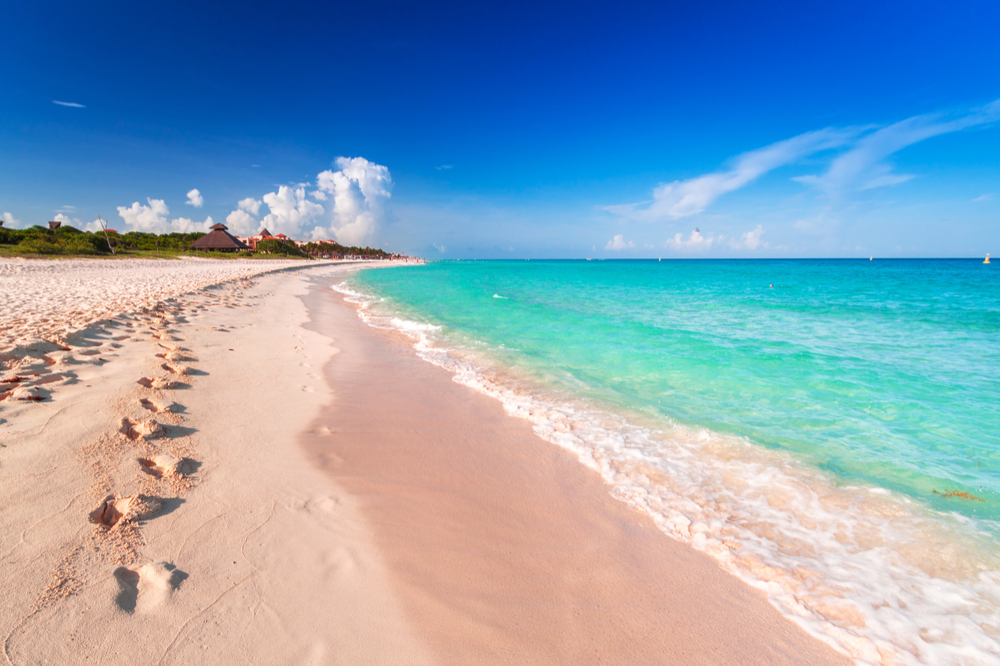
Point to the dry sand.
(182, 483)
(154, 513)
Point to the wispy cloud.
(864, 166)
(684, 198)
(985, 197)
(73, 105)
(443, 166)
(861, 165)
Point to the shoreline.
(271, 537)
(504, 547)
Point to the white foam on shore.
(866, 570)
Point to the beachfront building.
(219, 240)
(263, 235)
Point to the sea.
(826, 430)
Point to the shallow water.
(802, 421)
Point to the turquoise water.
(872, 375)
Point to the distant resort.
(60, 239)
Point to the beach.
(219, 462)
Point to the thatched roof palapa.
(219, 239)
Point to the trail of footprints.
(148, 452)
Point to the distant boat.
(987, 260)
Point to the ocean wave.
(869, 571)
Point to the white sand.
(226, 545)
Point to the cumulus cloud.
(250, 205)
(619, 243)
(73, 105)
(698, 242)
(195, 199)
(146, 218)
(9, 220)
(243, 220)
(695, 242)
(242, 223)
(861, 165)
(749, 240)
(360, 191)
(290, 211)
(152, 218)
(187, 225)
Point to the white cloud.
(440, 248)
(749, 240)
(74, 105)
(195, 199)
(187, 225)
(443, 166)
(290, 211)
(986, 197)
(152, 218)
(64, 219)
(9, 220)
(360, 191)
(695, 242)
(142, 218)
(683, 198)
(250, 205)
(862, 166)
(242, 223)
(619, 243)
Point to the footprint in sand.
(175, 355)
(146, 430)
(157, 383)
(176, 369)
(145, 588)
(26, 394)
(154, 406)
(167, 465)
(117, 509)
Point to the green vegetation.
(68, 241)
(337, 251)
(42, 241)
(276, 247)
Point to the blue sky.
(514, 130)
